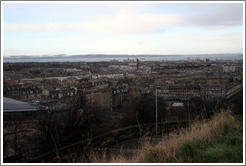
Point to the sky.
(121, 28)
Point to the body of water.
(121, 58)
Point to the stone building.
(21, 92)
(229, 68)
(99, 99)
(179, 92)
(120, 95)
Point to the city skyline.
(121, 28)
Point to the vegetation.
(145, 107)
(87, 132)
(218, 140)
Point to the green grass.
(218, 140)
(150, 158)
(227, 147)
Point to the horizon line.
(67, 55)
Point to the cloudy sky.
(122, 28)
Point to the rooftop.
(12, 105)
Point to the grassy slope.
(219, 140)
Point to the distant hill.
(116, 55)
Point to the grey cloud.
(218, 15)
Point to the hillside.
(218, 140)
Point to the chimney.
(44, 77)
(137, 63)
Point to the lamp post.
(156, 111)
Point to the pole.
(156, 114)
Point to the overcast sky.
(122, 28)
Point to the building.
(179, 92)
(205, 91)
(15, 110)
(232, 89)
(229, 68)
(120, 94)
(99, 98)
(64, 94)
(20, 92)
(212, 91)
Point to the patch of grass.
(218, 140)
(227, 147)
(187, 153)
(221, 153)
(239, 120)
(150, 158)
(208, 152)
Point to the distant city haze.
(101, 58)
(161, 28)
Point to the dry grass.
(205, 131)
(118, 157)
(167, 148)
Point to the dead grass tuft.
(167, 148)
(205, 130)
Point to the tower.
(137, 63)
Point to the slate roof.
(12, 105)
